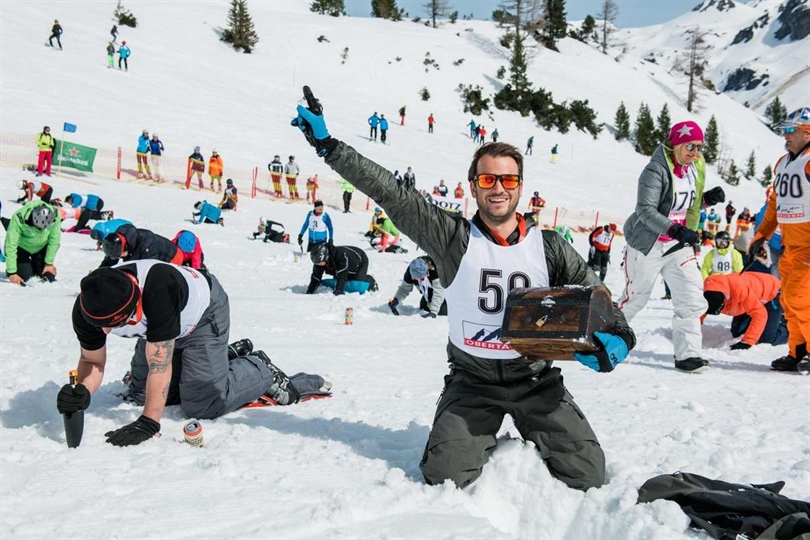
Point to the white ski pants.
(680, 270)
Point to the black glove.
(392, 305)
(301, 240)
(140, 430)
(755, 247)
(714, 196)
(683, 235)
(427, 315)
(310, 122)
(740, 346)
(72, 399)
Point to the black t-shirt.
(165, 294)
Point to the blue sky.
(632, 13)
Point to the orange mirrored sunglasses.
(508, 181)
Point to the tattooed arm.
(159, 358)
(91, 367)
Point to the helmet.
(377, 210)
(214, 151)
(186, 241)
(196, 148)
(154, 135)
(277, 156)
(799, 117)
(320, 253)
(42, 217)
(418, 268)
(723, 237)
(536, 193)
(146, 131)
(292, 158)
(229, 182)
(114, 245)
(23, 184)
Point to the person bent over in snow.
(348, 264)
(421, 273)
(181, 320)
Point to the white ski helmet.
(799, 117)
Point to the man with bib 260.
(479, 262)
(789, 208)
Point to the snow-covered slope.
(346, 467)
(754, 52)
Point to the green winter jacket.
(388, 227)
(445, 237)
(346, 186)
(654, 201)
(29, 238)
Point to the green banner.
(75, 156)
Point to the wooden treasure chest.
(554, 323)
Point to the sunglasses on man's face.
(789, 130)
(508, 181)
(691, 147)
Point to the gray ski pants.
(470, 413)
(204, 383)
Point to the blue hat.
(186, 241)
(418, 268)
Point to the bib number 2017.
(492, 286)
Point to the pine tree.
(622, 122)
(645, 131)
(585, 31)
(555, 26)
(610, 10)
(240, 33)
(696, 64)
(767, 176)
(732, 176)
(386, 9)
(776, 113)
(437, 9)
(124, 16)
(662, 124)
(335, 8)
(751, 167)
(711, 145)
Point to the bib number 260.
(492, 285)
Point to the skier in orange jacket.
(789, 208)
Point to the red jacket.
(746, 294)
(193, 259)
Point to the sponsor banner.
(75, 156)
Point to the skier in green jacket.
(32, 240)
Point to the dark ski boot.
(692, 365)
(243, 347)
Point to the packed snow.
(346, 467)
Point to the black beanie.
(716, 301)
(108, 298)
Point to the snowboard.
(266, 401)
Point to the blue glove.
(311, 123)
(614, 351)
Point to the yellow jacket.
(45, 142)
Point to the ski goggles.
(508, 181)
(691, 147)
(788, 130)
(722, 243)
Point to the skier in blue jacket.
(123, 54)
(91, 206)
(319, 225)
(156, 149)
(206, 212)
(140, 154)
(373, 121)
(383, 128)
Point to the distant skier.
(409, 179)
(276, 168)
(114, 33)
(35, 187)
(196, 165)
(291, 172)
(601, 240)
(473, 129)
(373, 122)
(206, 212)
(402, 115)
(140, 155)
(123, 55)
(312, 187)
(431, 121)
(230, 198)
(45, 146)
(348, 190)
(56, 32)
(383, 128)
(215, 170)
(318, 226)
(730, 211)
(495, 135)
(554, 153)
(110, 55)
(273, 231)
(458, 193)
(421, 273)
(156, 150)
(529, 146)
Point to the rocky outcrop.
(719, 5)
(747, 34)
(745, 79)
(794, 19)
